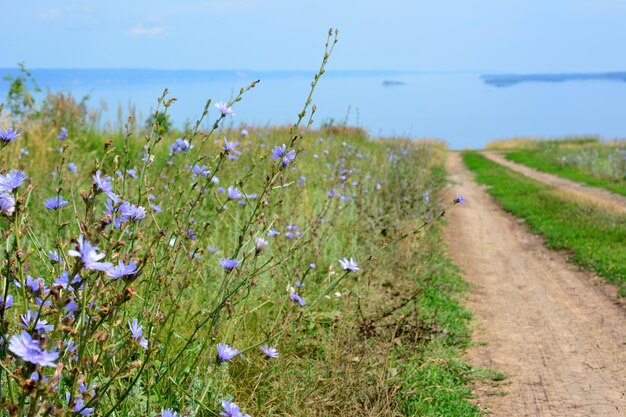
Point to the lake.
(457, 107)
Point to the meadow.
(221, 270)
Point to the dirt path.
(558, 337)
(598, 196)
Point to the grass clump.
(595, 238)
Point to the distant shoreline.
(507, 80)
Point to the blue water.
(456, 107)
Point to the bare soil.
(552, 329)
(597, 196)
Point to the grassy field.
(595, 238)
(262, 271)
(588, 162)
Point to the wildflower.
(24, 346)
(229, 264)
(280, 152)
(349, 265)
(459, 199)
(312, 266)
(271, 352)
(4, 305)
(12, 180)
(272, 233)
(80, 408)
(29, 319)
(260, 244)
(64, 280)
(104, 185)
(132, 173)
(89, 255)
(296, 297)
(55, 258)
(168, 412)
(200, 170)
(7, 203)
(244, 133)
(234, 193)
(136, 331)
(225, 352)
(63, 134)
(121, 270)
(180, 145)
(72, 167)
(230, 146)
(55, 203)
(224, 109)
(8, 136)
(426, 196)
(212, 249)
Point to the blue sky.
(433, 35)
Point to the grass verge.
(595, 238)
(544, 161)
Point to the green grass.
(435, 380)
(595, 238)
(546, 159)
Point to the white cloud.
(49, 15)
(141, 30)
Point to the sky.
(518, 36)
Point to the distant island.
(389, 83)
(507, 80)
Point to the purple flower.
(136, 331)
(229, 264)
(132, 173)
(225, 352)
(180, 145)
(89, 255)
(312, 266)
(11, 180)
(168, 412)
(271, 352)
(234, 193)
(80, 408)
(29, 319)
(63, 134)
(296, 297)
(121, 270)
(55, 203)
(260, 244)
(224, 109)
(280, 152)
(272, 233)
(200, 170)
(244, 133)
(64, 280)
(24, 346)
(426, 196)
(72, 167)
(104, 184)
(349, 265)
(459, 199)
(230, 146)
(7, 203)
(8, 136)
(4, 305)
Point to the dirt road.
(594, 195)
(556, 334)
